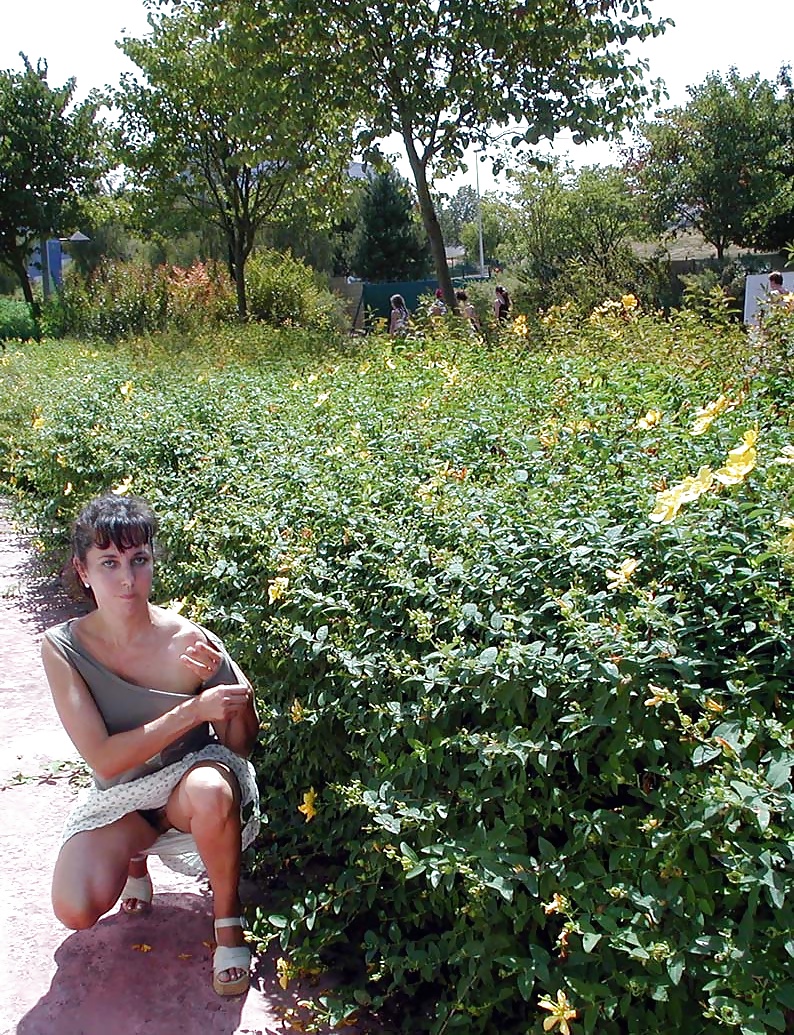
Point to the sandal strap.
(231, 957)
(139, 888)
(229, 921)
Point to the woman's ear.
(80, 571)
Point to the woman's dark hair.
(124, 521)
(776, 278)
(397, 302)
(461, 296)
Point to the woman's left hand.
(202, 659)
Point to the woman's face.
(119, 578)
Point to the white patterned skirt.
(97, 808)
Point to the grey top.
(125, 706)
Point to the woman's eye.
(140, 560)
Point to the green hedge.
(16, 321)
(522, 746)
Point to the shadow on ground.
(33, 580)
(152, 973)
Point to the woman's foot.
(136, 897)
(232, 959)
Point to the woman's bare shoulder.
(177, 629)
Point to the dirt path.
(126, 975)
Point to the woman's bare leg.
(206, 803)
(92, 867)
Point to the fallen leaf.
(142, 947)
(185, 956)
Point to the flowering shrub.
(124, 299)
(526, 752)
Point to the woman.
(398, 320)
(137, 688)
(468, 310)
(501, 304)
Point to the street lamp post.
(479, 213)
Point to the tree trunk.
(431, 223)
(16, 263)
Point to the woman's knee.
(213, 795)
(76, 914)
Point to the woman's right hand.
(224, 702)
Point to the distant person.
(398, 320)
(775, 287)
(439, 306)
(468, 310)
(501, 304)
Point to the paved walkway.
(127, 975)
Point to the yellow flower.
(277, 589)
(629, 301)
(669, 501)
(123, 487)
(307, 808)
(296, 711)
(284, 971)
(788, 540)
(621, 577)
(558, 904)
(650, 420)
(741, 460)
(706, 415)
(126, 389)
(561, 1012)
(37, 422)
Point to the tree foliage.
(492, 220)
(229, 122)
(50, 160)
(456, 213)
(719, 164)
(388, 244)
(570, 232)
(447, 74)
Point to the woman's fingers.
(202, 658)
(225, 701)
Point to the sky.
(77, 40)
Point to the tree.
(536, 222)
(570, 232)
(603, 215)
(716, 164)
(50, 161)
(230, 123)
(448, 74)
(462, 209)
(387, 243)
(493, 224)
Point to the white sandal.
(139, 890)
(230, 957)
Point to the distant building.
(361, 171)
(456, 254)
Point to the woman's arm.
(111, 754)
(237, 731)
